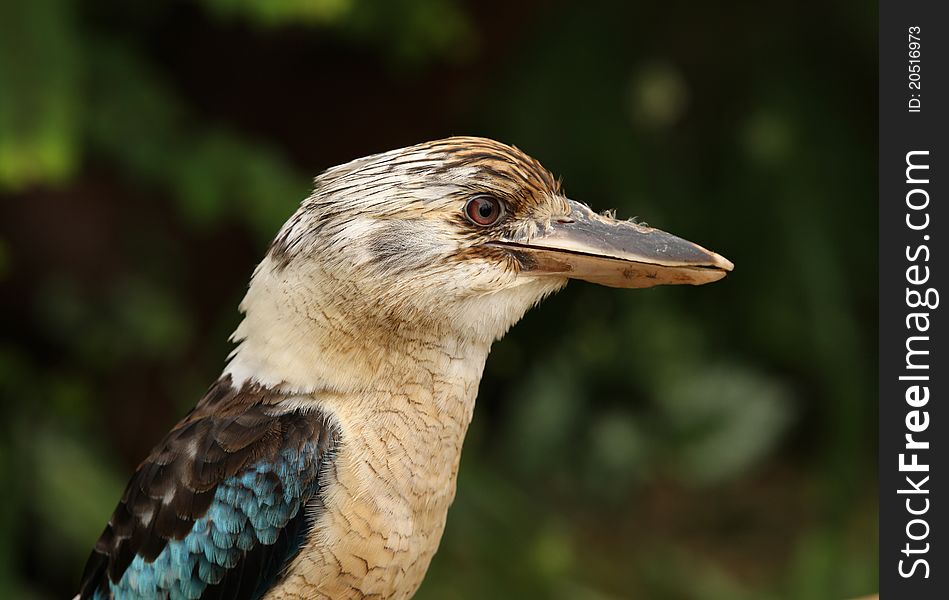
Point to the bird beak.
(586, 245)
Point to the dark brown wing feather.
(226, 433)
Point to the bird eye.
(484, 210)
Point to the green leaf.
(40, 63)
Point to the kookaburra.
(322, 462)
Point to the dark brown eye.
(484, 210)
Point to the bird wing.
(219, 507)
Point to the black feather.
(227, 432)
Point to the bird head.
(460, 236)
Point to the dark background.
(713, 442)
(903, 516)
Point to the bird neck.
(305, 332)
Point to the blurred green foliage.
(707, 443)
